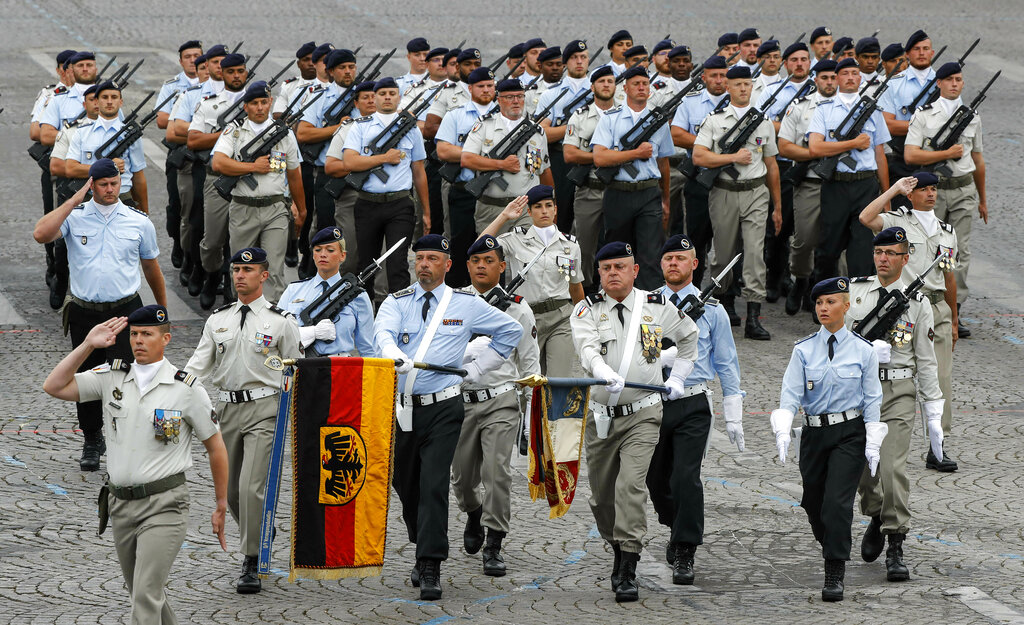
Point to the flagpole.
(537, 380)
(273, 487)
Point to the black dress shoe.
(58, 291)
(494, 564)
(627, 589)
(873, 543)
(93, 447)
(835, 571)
(795, 296)
(682, 568)
(473, 536)
(249, 581)
(670, 552)
(946, 465)
(895, 570)
(430, 580)
(186, 270)
(753, 329)
(177, 254)
(208, 296)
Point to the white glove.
(732, 406)
(615, 382)
(668, 357)
(676, 389)
(325, 331)
(307, 334)
(782, 423)
(883, 350)
(391, 351)
(488, 360)
(933, 413)
(475, 348)
(676, 382)
(875, 434)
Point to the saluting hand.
(904, 186)
(79, 196)
(105, 334)
(515, 208)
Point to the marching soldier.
(456, 92)
(821, 42)
(904, 354)
(749, 40)
(618, 43)
(868, 53)
(929, 238)
(323, 80)
(662, 89)
(430, 317)
(107, 244)
(728, 45)
(532, 49)
(674, 478)
(893, 59)
(145, 492)
(833, 377)
(554, 284)
(435, 76)
(551, 71)
(739, 208)
(618, 333)
(416, 53)
(295, 87)
(659, 59)
(961, 169)
(237, 339)
(66, 104)
(843, 48)
(520, 171)
(769, 56)
(481, 473)
(350, 331)
(516, 54)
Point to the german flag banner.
(342, 445)
(557, 422)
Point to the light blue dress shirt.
(830, 114)
(901, 92)
(176, 85)
(716, 349)
(353, 326)
(399, 176)
(616, 123)
(86, 143)
(316, 113)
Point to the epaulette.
(696, 90)
(520, 229)
(406, 291)
(194, 87)
(279, 310)
(467, 291)
(860, 279)
(809, 336)
(903, 210)
(171, 81)
(364, 119)
(85, 125)
(711, 302)
(594, 298)
(185, 376)
(568, 237)
(212, 95)
(614, 109)
(288, 80)
(900, 75)
(926, 107)
(945, 226)
(487, 115)
(61, 90)
(860, 337)
(919, 296)
(719, 111)
(417, 84)
(345, 122)
(224, 307)
(655, 298)
(117, 364)
(47, 87)
(144, 214)
(301, 280)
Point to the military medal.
(903, 333)
(118, 395)
(166, 425)
(946, 264)
(650, 341)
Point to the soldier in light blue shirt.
(833, 376)
(350, 331)
(416, 53)
(66, 106)
(798, 66)
(430, 321)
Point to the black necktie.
(674, 299)
(323, 287)
(831, 346)
(622, 319)
(245, 311)
(426, 303)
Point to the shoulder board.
(594, 298)
(185, 376)
(535, 85)
(301, 280)
(132, 208)
(171, 81)
(419, 82)
(288, 80)
(803, 99)
(809, 336)
(212, 95)
(860, 337)
(520, 229)
(861, 279)
(406, 291)
(569, 237)
(224, 307)
(583, 109)
(946, 227)
(449, 84)
(53, 86)
(84, 125)
(719, 112)
(469, 290)
(78, 207)
(61, 90)
(487, 115)
(517, 299)
(711, 302)
(346, 122)
(119, 365)
(655, 298)
(926, 107)
(194, 87)
(279, 310)
(363, 120)
(903, 210)
(919, 296)
(614, 109)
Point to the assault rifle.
(450, 171)
(890, 307)
(950, 133)
(926, 91)
(693, 305)
(501, 298)
(131, 131)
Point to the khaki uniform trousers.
(345, 218)
(738, 219)
(481, 473)
(248, 431)
(887, 495)
(589, 226)
(186, 195)
(617, 468)
(806, 226)
(558, 358)
(215, 223)
(148, 534)
(265, 227)
(957, 208)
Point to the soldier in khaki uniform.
(455, 93)
(236, 341)
(481, 473)
(520, 171)
(961, 169)
(905, 354)
(739, 207)
(150, 412)
(260, 216)
(928, 238)
(618, 335)
(663, 89)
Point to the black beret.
(258, 89)
(925, 179)
(304, 49)
(890, 236)
(509, 84)
(771, 45)
(915, 39)
(679, 51)
(479, 74)
(484, 244)
(335, 58)
(201, 59)
(385, 83)
(830, 286)
(64, 55)
(366, 85)
(664, 44)
(217, 50)
(103, 168)
(419, 44)
(676, 243)
(819, 32)
(432, 242)
(452, 54)
(547, 54)
(232, 60)
(633, 72)
(437, 52)
(571, 48)
(92, 90)
(948, 69)
(867, 45)
(749, 34)
(635, 51)
(152, 315)
(331, 234)
(321, 51)
(615, 249)
(620, 35)
(842, 45)
(194, 43)
(845, 63)
(539, 192)
(516, 51)
(824, 65)
(728, 39)
(892, 51)
(81, 56)
(794, 48)
(106, 85)
(536, 42)
(249, 256)
(601, 72)
(469, 54)
(715, 62)
(738, 71)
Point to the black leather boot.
(961, 330)
(58, 291)
(796, 296)
(94, 447)
(627, 589)
(616, 566)
(177, 254)
(835, 571)
(494, 564)
(895, 570)
(249, 581)
(196, 279)
(414, 575)
(208, 296)
(291, 255)
(682, 568)
(430, 580)
(186, 270)
(670, 552)
(729, 304)
(473, 535)
(873, 543)
(753, 329)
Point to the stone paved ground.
(758, 561)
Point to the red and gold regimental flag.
(342, 445)
(557, 422)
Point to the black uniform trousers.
(634, 217)
(432, 167)
(461, 208)
(776, 246)
(898, 168)
(565, 190)
(831, 463)
(323, 203)
(679, 500)
(698, 226)
(57, 252)
(377, 222)
(841, 204)
(422, 479)
(173, 218)
(197, 216)
(80, 322)
(307, 191)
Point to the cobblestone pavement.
(758, 562)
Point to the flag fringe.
(335, 573)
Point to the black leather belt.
(548, 305)
(102, 306)
(842, 176)
(739, 185)
(383, 198)
(639, 185)
(955, 183)
(267, 200)
(495, 201)
(145, 490)
(594, 183)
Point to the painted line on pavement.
(985, 605)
